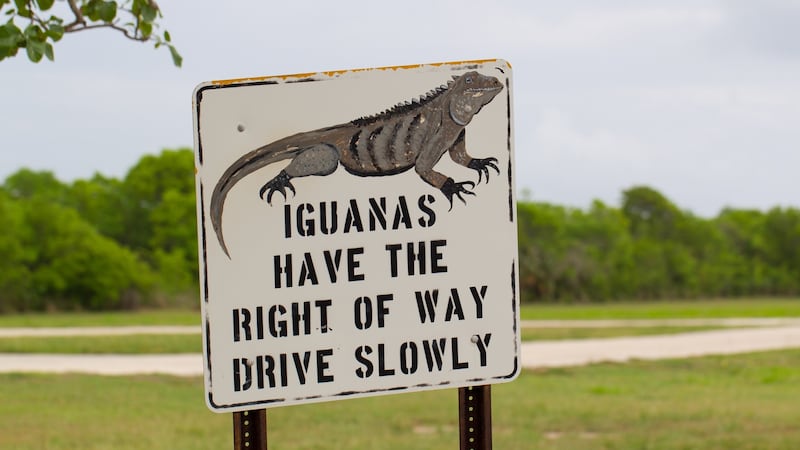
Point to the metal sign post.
(475, 417)
(250, 430)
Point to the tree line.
(106, 243)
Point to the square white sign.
(357, 233)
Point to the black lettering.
(284, 366)
(377, 213)
(286, 269)
(416, 257)
(323, 365)
(367, 370)
(307, 271)
(277, 328)
(436, 256)
(301, 367)
(260, 372)
(353, 218)
(287, 220)
(323, 306)
(401, 214)
(238, 365)
(241, 324)
(453, 306)
(483, 344)
(363, 313)
(393, 249)
(383, 310)
(323, 219)
(478, 297)
(427, 303)
(269, 371)
(454, 351)
(433, 352)
(304, 318)
(332, 263)
(408, 352)
(431, 219)
(308, 230)
(353, 264)
(237, 383)
(259, 322)
(382, 370)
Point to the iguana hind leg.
(321, 159)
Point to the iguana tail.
(247, 164)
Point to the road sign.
(357, 233)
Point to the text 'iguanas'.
(412, 134)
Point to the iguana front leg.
(458, 153)
(448, 186)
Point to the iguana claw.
(279, 184)
(482, 167)
(451, 188)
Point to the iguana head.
(469, 93)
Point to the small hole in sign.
(240, 128)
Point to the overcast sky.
(698, 99)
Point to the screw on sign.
(374, 279)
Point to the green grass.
(729, 402)
(106, 319)
(684, 309)
(539, 334)
(133, 344)
(754, 307)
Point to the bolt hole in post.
(475, 418)
(250, 430)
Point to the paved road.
(683, 345)
(534, 354)
(594, 323)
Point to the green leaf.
(22, 8)
(33, 32)
(146, 29)
(48, 51)
(44, 5)
(149, 13)
(55, 32)
(177, 59)
(90, 10)
(107, 11)
(11, 39)
(167, 36)
(24, 12)
(35, 50)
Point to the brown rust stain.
(334, 73)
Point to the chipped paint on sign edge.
(335, 73)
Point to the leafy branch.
(137, 20)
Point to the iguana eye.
(468, 80)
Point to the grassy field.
(766, 307)
(133, 344)
(105, 319)
(684, 309)
(730, 402)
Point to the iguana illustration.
(411, 134)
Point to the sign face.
(357, 233)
